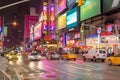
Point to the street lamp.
(14, 23)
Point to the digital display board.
(89, 9)
(61, 5)
(62, 19)
(110, 5)
(72, 18)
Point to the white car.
(34, 56)
(95, 54)
(55, 56)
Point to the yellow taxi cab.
(113, 60)
(12, 56)
(69, 55)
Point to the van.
(95, 54)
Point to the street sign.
(109, 27)
(99, 30)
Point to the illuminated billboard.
(72, 19)
(89, 9)
(61, 5)
(37, 31)
(62, 19)
(52, 18)
(110, 5)
(45, 13)
(71, 3)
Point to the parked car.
(55, 55)
(34, 56)
(69, 55)
(113, 60)
(95, 54)
(52, 55)
(49, 55)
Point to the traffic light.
(82, 29)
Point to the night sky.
(16, 13)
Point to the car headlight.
(39, 56)
(10, 56)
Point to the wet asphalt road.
(64, 70)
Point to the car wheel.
(94, 59)
(74, 59)
(109, 62)
(84, 59)
(102, 60)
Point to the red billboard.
(61, 5)
(28, 22)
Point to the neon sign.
(52, 18)
(45, 16)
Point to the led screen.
(61, 5)
(89, 9)
(62, 19)
(72, 18)
(110, 5)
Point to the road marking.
(64, 72)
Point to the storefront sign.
(105, 33)
(47, 38)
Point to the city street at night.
(64, 70)
(59, 39)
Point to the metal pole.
(2, 33)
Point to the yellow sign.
(62, 21)
(44, 3)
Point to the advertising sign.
(5, 29)
(37, 31)
(71, 3)
(62, 19)
(61, 5)
(29, 21)
(110, 5)
(89, 9)
(72, 18)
